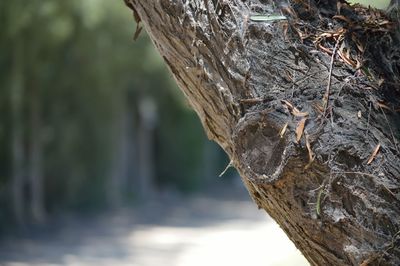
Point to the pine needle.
(373, 155)
(266, 18)
(300, 129)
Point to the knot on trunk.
(260, 147)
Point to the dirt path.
(201, 230)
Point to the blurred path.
(201, 230)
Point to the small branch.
(328, 88)
(226, 168)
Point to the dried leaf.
(288, 10)
(326, 34)
(311, 155)
(293, 109)
(383, 106)
(326, 50)
(318, 108)
(285, 27)
(347, 60)
(343, 18)
(344, 54)
(358, 64)
(300, 129)
(373, 155)
(288, 104)
(283, 130)
(297, 113)
(384, 22)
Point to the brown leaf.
(373, 155)
(384, 22)
(300, 129)
(293, 109)
(326, 50)
(285, 27)
(288, 104)
(344, 54)
(283, 130)
(358, 64)
(318, 107)
(289, 11)
(341, 17)
(297, 113)
(311, 155)
(326, 34)
(383, 106)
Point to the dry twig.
(328, 87)
(373, 155)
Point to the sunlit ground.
(202, 230)
(231, 243)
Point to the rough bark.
(247, 80)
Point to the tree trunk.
(17, 149)
(119, 169)
(36, 157)
(307, 108)
(145, 137)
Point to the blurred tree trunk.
(313, 135)
(120, 167)
(145, 139)
(17, 149)
(36, 156)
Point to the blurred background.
(102, 162)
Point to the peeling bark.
(246, 80)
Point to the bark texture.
(248, 80)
